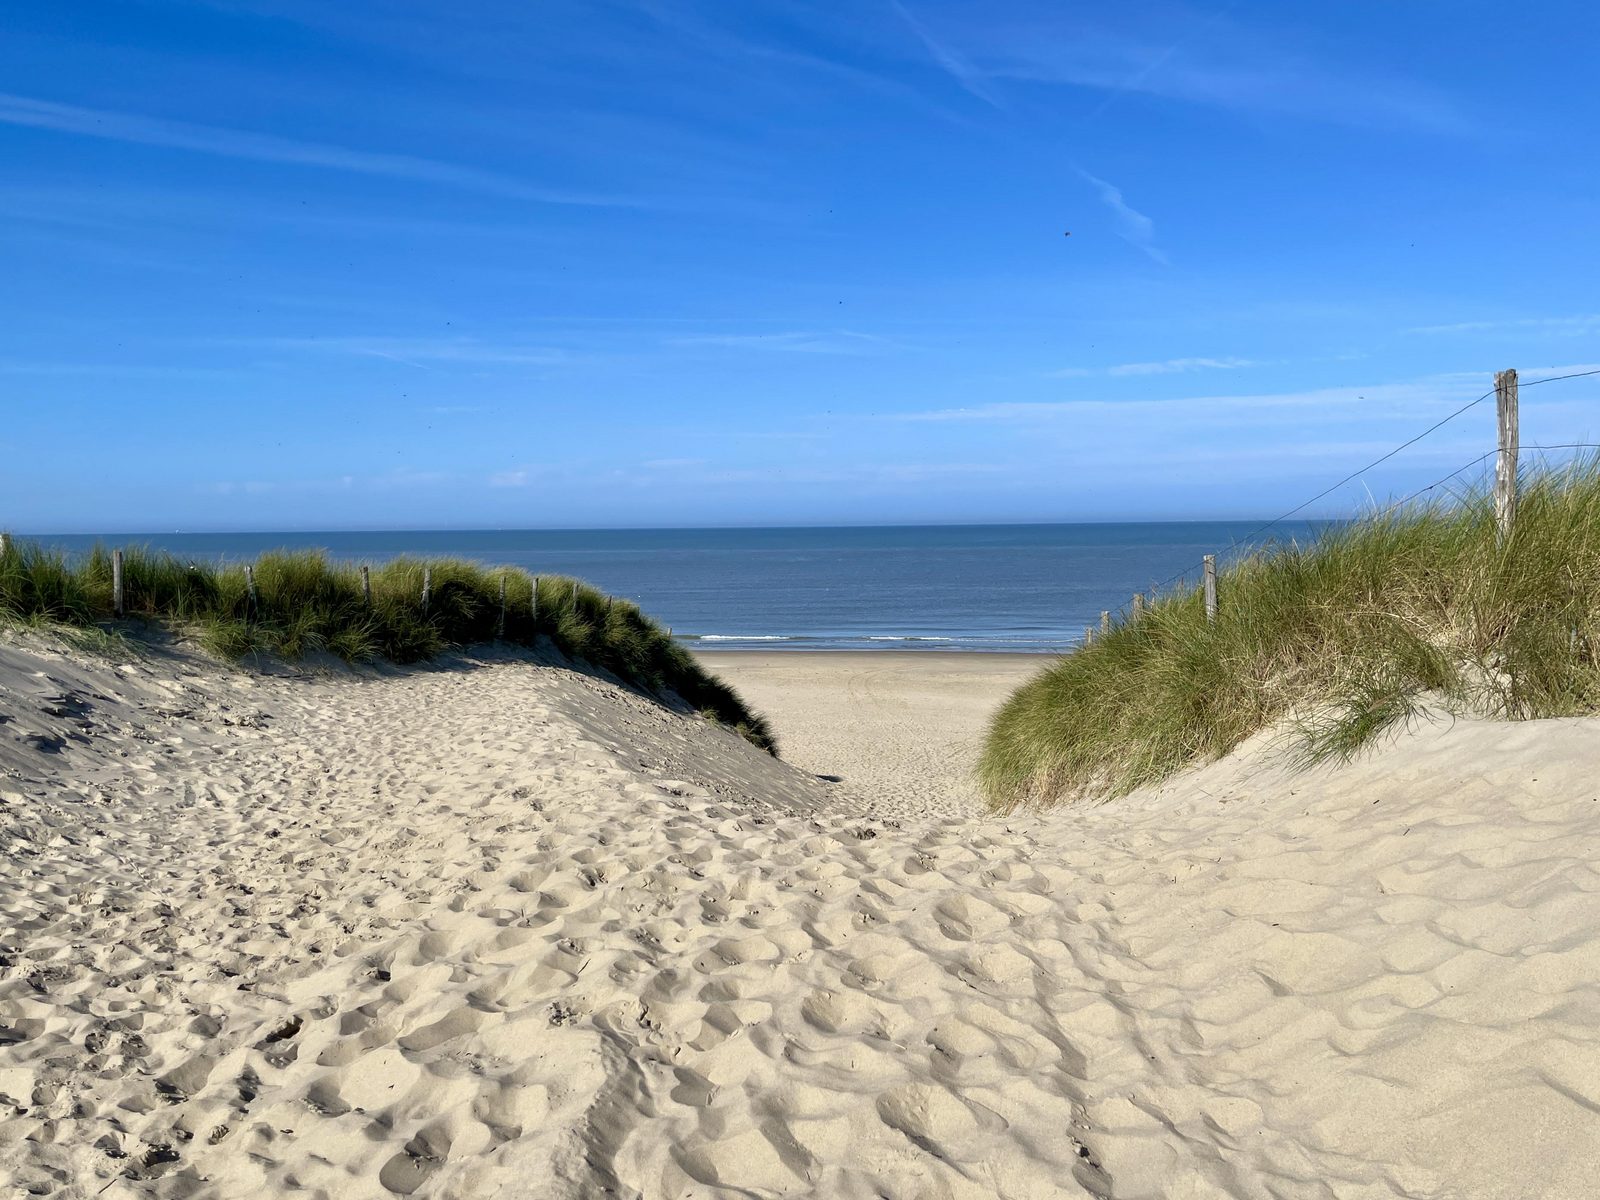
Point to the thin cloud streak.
(673, 464)
(1171, 366)
(958, 68)
(1235, 69)
(746, 55)
(870, 474)
(1237, 74)
(400, 477)
(839, 341)
(262, 147)
(1585, 323)
(420, 352)
(118, 370)
(1442, 390)
(1132, 225)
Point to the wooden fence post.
(1105, 620)
(1138, 605)
(533, 601)
(1209, 562)
(574, 593)
(427, 588)
(1088, 635)
(250, 588)
(366, 586)
(5, 542)
(500, 630)
(1505, 464)
(116, 582)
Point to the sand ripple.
(507, 930)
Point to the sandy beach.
(500, 927)
(896, 729)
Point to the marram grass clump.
(1335, 641)
(305, 603)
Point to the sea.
(978, 588)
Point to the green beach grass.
(305, 603)
(1335, 642)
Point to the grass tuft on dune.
(1356, 633)
(304, 603)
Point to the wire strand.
(1375, 462)
(1404, 500)
(1278, 520)
(1558, 378)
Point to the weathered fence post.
(574, 593)
(500, 630)
(427, 588)
(1505, 464)
(533, 601)
(5, 542)
(116, 582)
(366, 586)
(1209, 563)
(1105, 620)
(250, 588)
(1138, 604)
(1088, 635)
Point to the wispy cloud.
(955, 65)
(116, 370)
(399, 478)
(673, 464)
(102, 207)
(1170, 366)
(1235, 67)
(1530, 374)
(1413, 398)
(1580, 324)
(424, 353)
(769, 63)
(1132, 225)
(262, 147)
(866, 474)
(839, 341)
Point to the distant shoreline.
(896, 656)
(972, 589)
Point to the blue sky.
(309, 265)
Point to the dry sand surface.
(896, 729)
(502, 929)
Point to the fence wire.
(1379, 461)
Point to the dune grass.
(1338, 640)
(304, 603)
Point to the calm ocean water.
(956, 587)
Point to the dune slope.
(504, 929)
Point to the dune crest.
(501, 928)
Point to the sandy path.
(506, 930)
(902, 731)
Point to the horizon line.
(445, 529)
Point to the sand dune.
(504, 929)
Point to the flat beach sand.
(895, 728)
(500, 928)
